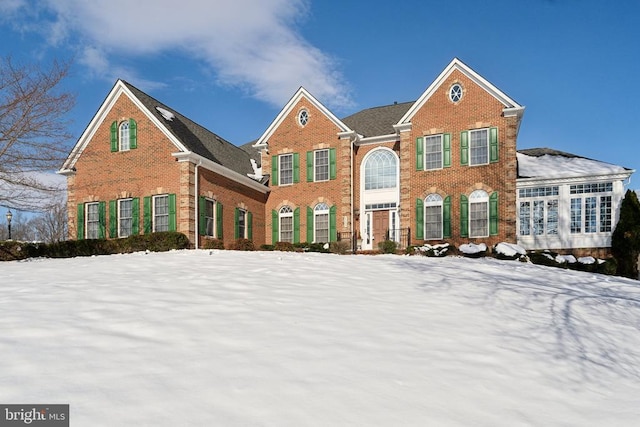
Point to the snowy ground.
(200, 338)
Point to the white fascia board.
(456, 64)
(118, 89)
(393, 137)
(537, 181)
(196, 159)
(301, 93)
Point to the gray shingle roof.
(377, 120)
(197, 138)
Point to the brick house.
(443, 168)
(141, 167)
(440, 168)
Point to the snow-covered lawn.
(221, 338)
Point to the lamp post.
(9, 216)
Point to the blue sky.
(231, 65)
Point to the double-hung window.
(125, 217)
(433, 217)
(321, 165)
(433, 152)
(93, 221)
(321, 223)
(241, 224)
(161, 213)
(479, 214)
(479, 147)
(286, 169)
(209, 217)
(286, 224)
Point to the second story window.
(124, 135)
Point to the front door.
(376, 227)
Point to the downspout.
(196, 230)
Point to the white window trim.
(477, 197)
(321, 209)
(244, 234)
(315, 166)
(280, 157)
(154, 220)
(213, 218)
(120, 217)
(424, 139)
(436, 201)
(86, 220)
(288, 214)
(488, 148)
(124, 143)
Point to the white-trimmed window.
(479, 147)
(241, 224)
(538, 211)
(161, 213)
(285, 169)
(433, 217)
(124, 137)
(433, 152)
(209, 216)
(381, 170)
(92, 220)
(593, 212)
(321, 165)
(479, 214)
(321, 223)
(125, 217)
(286, 224)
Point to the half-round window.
(381, 170)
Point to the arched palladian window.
(124, 136)
(381, 170)
(321, 223)
(433, 217)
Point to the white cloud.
(251, 44)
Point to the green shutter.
(493, 214)
(333, 172)
(420, 153)
(113, 219)
(114, 137)
(464, 147)
(135, 216)
(274, 170)
(419, 219)
(310, 166)
(249, 226)
(202, 215)
(446, 150)
(219, 220)
(147, 214)
(236, 218)
(102, 213)
(333, 230)
(464, 216)
(172, 212)
(493, 145)
(296, 225)
(446, 217)
(309, 224)
(133, 134)
(80, 222)
(296, 167)
(274, 226)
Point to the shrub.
(340, 247)
(440, 250)
(242, 245)
(625, 240)
(284, 247)
(266, 247)
(319, 247)
(388, 247)
(213, 244)
(546, 258)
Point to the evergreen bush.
(625, 241)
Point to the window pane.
(576, 215)
(381, 170)
(538, 217)
(590, 215)
(242, 224)
(552, 217)
(479, 147)
(209, 217)
(126, 218)
(286, 169)
(161, 213)
(605, 214)
(93, 221)
(286, 229)
(478, 219)
(322, 165)
(433, 222)
(525, 218)
(124, 136)
(433, 152)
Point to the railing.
(400, 235)
(350, 237)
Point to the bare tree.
(50, 226)
(34, 137)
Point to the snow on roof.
(546, 163)
(166, 114)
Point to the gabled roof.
(543, 163)
(511, 107)
(377, 120)
(184, 133)
(300, 93)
